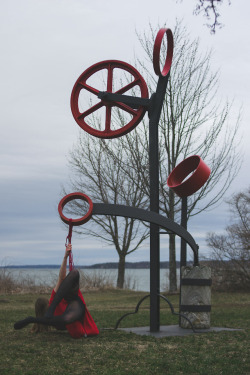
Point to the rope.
(68, 241)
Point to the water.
(136, 279)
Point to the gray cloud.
(45, 46)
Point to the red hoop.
(157, 50)
(137, 114)
(194, 182)
(69, 198)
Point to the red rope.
(68, 241)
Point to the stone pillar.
(195, 301)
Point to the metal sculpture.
(136, 106)
(108, 99)
(71, 197)
(185, 187)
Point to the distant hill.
(113, 265)
(109, 265)
(128, 265)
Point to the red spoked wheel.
(81, 84)
(200, 175)
(70, 197)
(157, 50)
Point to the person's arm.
(63, 269)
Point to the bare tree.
(100, 176)
(210, 10)
(232, 249)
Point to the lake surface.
(136, 279)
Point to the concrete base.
(195, 295)
(173, 330)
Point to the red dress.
(85, 327)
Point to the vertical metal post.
(154, 230)
(154, 203)
(184, 225)
(183, 253)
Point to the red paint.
(157, 50)
(81, 328)
(200, 175)
(81, 84)
(70, 197)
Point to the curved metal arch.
(150, 217)
(166, 300)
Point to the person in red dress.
(67, 308)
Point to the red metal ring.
(81, 84)
(69, 198)
(194, 182)
(157, 49)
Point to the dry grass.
(9, 285)
(97, 281)
(100, 281)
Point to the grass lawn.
(117, 352)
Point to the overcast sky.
(45, 46)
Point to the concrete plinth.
(196, 296)
(173, 330)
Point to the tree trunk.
(172, 265)
(121, 272)
(172, 252)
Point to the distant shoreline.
(110, 265)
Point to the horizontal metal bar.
(166, 232)
(132, 101)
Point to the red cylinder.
(185, 187)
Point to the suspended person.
(67, 308)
